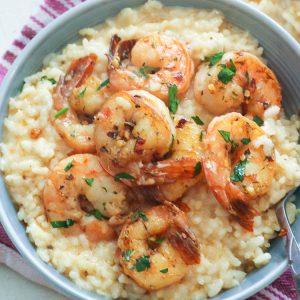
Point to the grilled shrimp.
(78, 185)
(155, 62)
(183, 164)
(156, 247)
(239, 79)
(87, 99)
(76, 93)
(238, 164)
(132, 128)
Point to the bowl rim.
(37, 262)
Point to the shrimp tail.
(244, 213)
(77, 73)
(80, 70)
(182, 238)
(114, 42)
(184, 241)
(172, 169)
(240, 208)
(121, 49)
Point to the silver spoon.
(291, 246)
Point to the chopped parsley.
(22, 86)
(103, 84)
(89, 181)
(197, 169)
(142, 264)
(145, 71)
(61, 112)
(52, 80)
(138, 73)
(245, 141)
(156, 240)
(127, 254)
(173, 101)
(258, 121)
(159, 240)
(213, 59)
(164, 270)
(81, 94)
(150, 69)
(201, 136)
(68, 166)
(172, 143)
(226, 74)
(227, 139)
(239, 171)
(97, 214)
(197, 120)
(62, 224)
(123, 176)
(247, 77)
(139, 215)
(104, 188)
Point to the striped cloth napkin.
(281, 289)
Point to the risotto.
(31, 148)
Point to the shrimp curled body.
(77, 185)
(254, 87)
(132, 128)
(183, 166)
(162, 238)
(156, 61)
(77, 94)
(239, 164)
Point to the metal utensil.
(291, 245)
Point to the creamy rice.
(228, 252)
(285, 12)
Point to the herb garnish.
(22, 86)
(164, 270)
(145, 71)
(159, 240)
(172, 143)
(201, 136)
(61, 112)
(62, 224)
(142, 264)
(213, 59)
(97, 214)
(197, 169)
(52, 80)
(245, 141)
(81, 94)
(173, 101)
(156, 240)
(258, 121)
(123, 176)
(138, 73)
(89, 181)
(247, 77)
(127, 254)
(239, 171)
(104, 188)
(103, 84)
(68, 166)
(197, 120)
(139, 215)
(227, 139)
(226, 74)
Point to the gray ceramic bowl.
(281, 51)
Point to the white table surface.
(13, 15)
